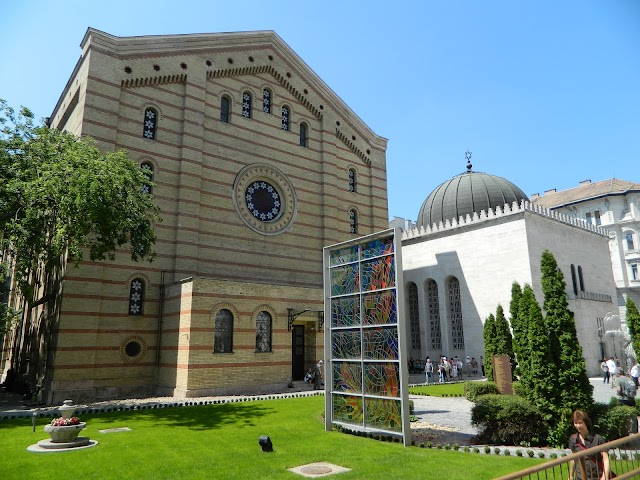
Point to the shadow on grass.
(202, 417)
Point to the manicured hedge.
(473, 390)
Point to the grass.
(221, 442)
(439, 390)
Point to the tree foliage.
(633, 324)
(61, 199)
(518, 326)
(489, 337)
(504, 341)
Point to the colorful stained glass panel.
(382, 379)
(345, 311)
(345, 280)
(378, 273)
(347, 377)
(343, 255)
(380, 308)
(347, 408)
(380, 344)
(375, 248)
(345, 344)
(383, 414)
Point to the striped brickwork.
(208, 253)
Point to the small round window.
(132, 349)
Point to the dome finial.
(467, 156)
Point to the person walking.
(612, 370)
(605, 370)
(634, 372)
(317, 376)
(428, 371)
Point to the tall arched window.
(580, 279)
(136, 297)
(150, 123)
(285, 118)
(263, 332)
(434, 315)
(266, 100)
(147, 169)
(352, 180)
(303, 135)
(225, 109)
(573, 280)
(246, 105)
(455, 313)
(223, 336)
(353, 221)
(414, 316)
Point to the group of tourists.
(611, 366)
(449, 369)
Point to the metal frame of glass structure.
(365, 336)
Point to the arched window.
(150, 123)
(629, 238)
(304, 135)
(353, 221)
(246, 105)
(434, 315)
(285, 118)
(455, 313)
(223, 337)
(266, 101)
(352, 180)
(147, 169)
(414, 316)
(573, 280)
(225, 110)
(136, 297)
(263, 332)
(580, 278)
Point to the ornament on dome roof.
(467, 156)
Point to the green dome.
(467, 193)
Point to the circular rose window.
(264, 198)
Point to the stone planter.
(65, 433)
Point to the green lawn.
(221, 442)
(438, 390)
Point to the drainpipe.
(159, 330)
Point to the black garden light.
(265, 443)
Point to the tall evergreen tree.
(574, 389)
(489, 336)
(538, 378)
(518, 326)
(504, 341)
(633, 324)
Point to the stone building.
(614, 205)
(475, 235)
(257, 165)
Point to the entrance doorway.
(297, 352)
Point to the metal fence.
(624, 462)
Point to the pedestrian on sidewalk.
(605, 370)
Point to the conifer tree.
(518, 325)
(633, 324)
(573, 388)
(489, 336)
(504, 341)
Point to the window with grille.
(414, 316)
(303, 134)
(266, 101)
(629, 238)
(225, 110)
(223, 336)
(573, 279)
(580, 279)
(246, 105)
(136, 297)
(150, 123)
(353, 221)
(455, 313)
(352, 180)
(285, 118)
(434, 315)
(147, 169)
(263, 332)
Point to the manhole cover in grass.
(316, 469)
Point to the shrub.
(473, 390)
(476, 450)
(508, 420)
(487, 449)
(466, 449)
(615, 422)
(456, 447)
(412, 408)
(496, 451)
(519, 452)
(517, 389)
(541, 454)
(507, 452)
(531, 453)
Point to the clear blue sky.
(545, 93)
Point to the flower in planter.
(65, 422)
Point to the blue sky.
(544, 93)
